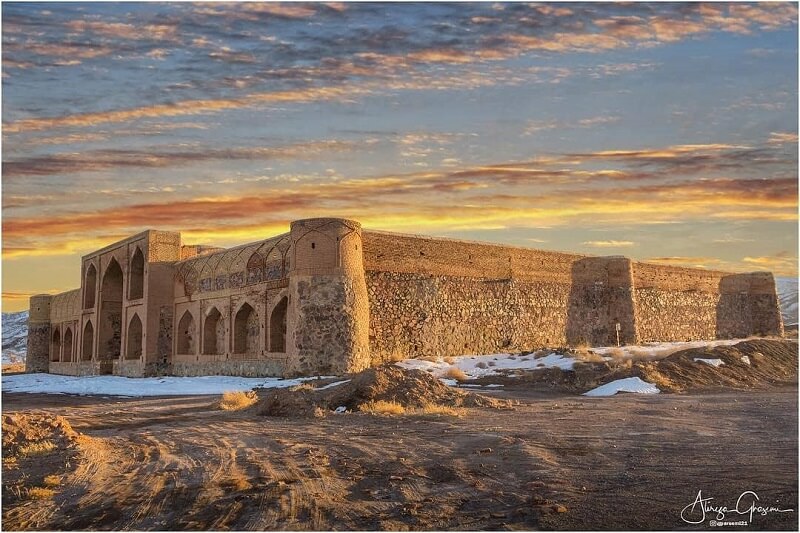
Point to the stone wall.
(417, 315)
(681, 304)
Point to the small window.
(313, 245)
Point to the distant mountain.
(787, 293)
(15, 336)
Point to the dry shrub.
(382, 407)
(52, 481)
(433, 409)
(37, 448)
(236, 400)
(455, 373)
(617, 353)
(538, 354)
(431, 359)
(40, 493)
(588, 356)
(302, 386)
(396, 356)
(449, 360)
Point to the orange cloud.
(609, 244)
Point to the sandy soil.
(553, 462)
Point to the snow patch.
(712, 362)
(624, 385)
(334, 384)
(478, 366)
(657, 350)
(122, 386)
(745, 360)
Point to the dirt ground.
(554, 461)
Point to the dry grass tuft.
(40, 493)
(37, 448)
(382, 407)
(302, 387)
(52, 481)
(455, 373)
(588, 356)
(616, 353)
(433, 409)
(236, 400)
(449, 360)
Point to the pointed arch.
(246, 331)
(89, 287)
(277, 327)
(255, 268)
(68, 348)
(136, 276)
(87, 352)
(133, 350)
(110, 325)
(186, 334)
(55, 346)
(213, 338)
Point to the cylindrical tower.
(38, 352)
(328, 314)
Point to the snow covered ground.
(624, 385)
(711, 362)
(658, 349)
(478, 366)
(121, 386)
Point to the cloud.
(536, 126)
(104, 160)
(781, 263)
(183, 108)
(609, 244)
(782, 138)
(118, 30)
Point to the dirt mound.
(24, 434)
(409, 388)
(752, 364)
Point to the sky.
(665, 132)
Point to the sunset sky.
(663, 132)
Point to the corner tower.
(38, 356)
(328, 315)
